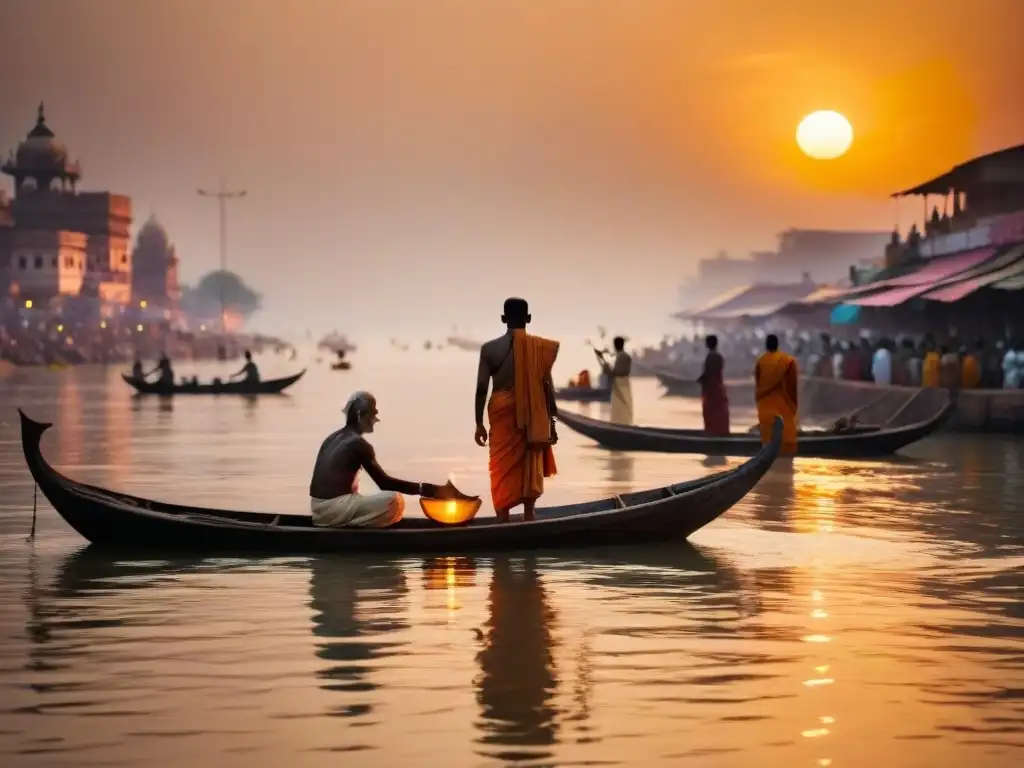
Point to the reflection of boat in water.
(118, 519)
(351, 644)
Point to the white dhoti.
(622, 401)
(353, 510)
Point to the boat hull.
(267, 387)
(116, 520)
(979, 411)
(863, 444)
(583, 395)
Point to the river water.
(844, 614)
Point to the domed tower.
(155, 268)
(41, 163)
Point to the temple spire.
(41, 129)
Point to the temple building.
(55, 241)
(155, 270)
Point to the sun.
(824, 135)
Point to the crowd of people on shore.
(45, 338)
(902, 361)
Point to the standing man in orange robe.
(521, 412)
(775, 380)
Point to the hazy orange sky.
(415, 162)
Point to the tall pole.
(222, 195)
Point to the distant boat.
(466, 345)
(336, 342)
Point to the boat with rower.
(859, 442)
(117, 520)
(216, 387)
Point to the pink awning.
(891, 298)
(941, 268)
(931, 273)
(959, 290)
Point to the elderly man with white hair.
(334, 490)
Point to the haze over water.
(843, 614)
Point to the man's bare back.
(339, 460)
(497, 368)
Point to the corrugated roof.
(970, 171)
(758, 300)
(1010, 266)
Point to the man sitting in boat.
(618, 375)
(137, 373)
(249, 371)
(583, 379)
(521, 412)
(775, 381)
(334, 490)
(166, 372)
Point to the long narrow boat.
(979, 411)
(583, 395)
(110, 519)
(267, 387)
(863, 443)
(677, 385)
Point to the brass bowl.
(450, 511)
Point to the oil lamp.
(450, 511)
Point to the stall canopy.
(1013, 284)
(896, 296)
(1011, 267)
(906, 287)
(757, 300)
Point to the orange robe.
(583, 380)
(970, 375)
(931, 370)
(520, 441)
(775, 377)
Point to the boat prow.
(863, 444)
(118, 520)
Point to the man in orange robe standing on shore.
(521, 412)
(776, 380)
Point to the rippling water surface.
(844, 614)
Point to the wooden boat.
(341, 365)
(584, 394)
(862, 443)
(110, 519)
(266, 387)
(677, 385)
(979, 411)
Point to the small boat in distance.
(583, 395)
(216, 387)
(116, 520)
